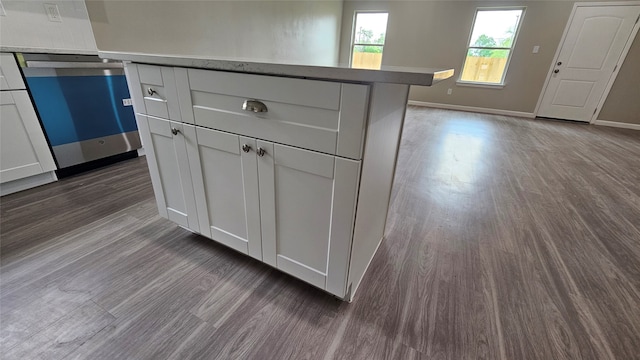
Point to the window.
(493, 36)
(368, 40)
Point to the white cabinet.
(225, 182)
(23, 148)
(25, 158)
(296, 173)
(290, 207)
(169, 167)
(327, 117)
(307, 208)
(153, 91)
(10, 78)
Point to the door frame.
(612, 79)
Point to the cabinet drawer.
(153, 89)
(10, 78)
(318, 115)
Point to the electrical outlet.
(536, 49)
(52, 12)
(449, 91)
(127, 102)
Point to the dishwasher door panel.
(82, 112)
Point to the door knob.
(556, 71)
(175, 131)
(260, 151)
(246, 148)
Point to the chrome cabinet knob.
(559, 63)
(260, 151)
(556, 71)
(254, 106)
(175, 131)
(246, 148)
(150, 91)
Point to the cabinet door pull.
(174, 131)
(261, 151)
(246, 148)
(254, 106)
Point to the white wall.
(26, 25)
(299, 31)
(435, 33)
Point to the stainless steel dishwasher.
(85, 109)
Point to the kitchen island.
(291, 164)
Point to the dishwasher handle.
(73, 65)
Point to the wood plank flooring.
(507, 239)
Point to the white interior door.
(592, 47)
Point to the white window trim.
(480, 84)
(353, 32)
(501, 84)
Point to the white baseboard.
(473, 109)
(27, 183)
(617, 124)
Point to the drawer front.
(318, 115)
(153, 89)
(10, 78)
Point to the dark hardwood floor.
(507, 239)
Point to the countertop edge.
(422, 77)
(27, 49)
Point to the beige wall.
(292, 31)
(623, 102)
(26, 25)
(435, 34)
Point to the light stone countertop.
(25, 49)
(388, 74)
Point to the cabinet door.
(23, 148)
(165, 145)
(307, 208)
(10, 78)
(225, 179)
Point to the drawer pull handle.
(246, 148)
(175, 131)
(260, 152)
(254, 106)
(150, 91)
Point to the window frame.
(468, 47)
(353, 33)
